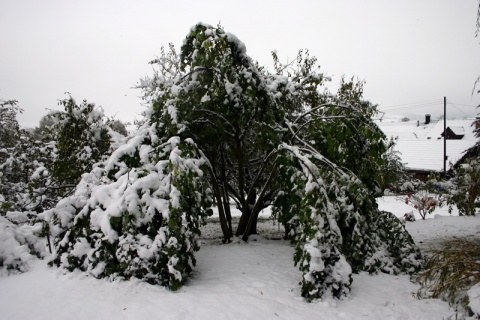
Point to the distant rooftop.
(421, 145)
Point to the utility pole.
(444, 137)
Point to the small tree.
(9, 128)
(20, 158)
(423, 201)
(81, 139)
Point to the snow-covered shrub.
(317, 236)
(424, 201)
(465, 192)
(40, 168)
(394, 250)
(18, 246)
(337, 228)
(409, 216)
(138, 215)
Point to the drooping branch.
(213, 113)
(259, 174)
(315, 119)
(318, 108)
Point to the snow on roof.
(421, 146)
(459, 131)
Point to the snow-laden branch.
(321, 107)
(312, 150)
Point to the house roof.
(459, 131)
(421, 146)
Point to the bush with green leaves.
(137, 215)
(336, 227)
(465, 191)
(38, 169)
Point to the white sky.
(411, 53)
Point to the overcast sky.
(411, 53)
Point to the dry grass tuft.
(451, 271)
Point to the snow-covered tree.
(20, 157)
(221, 127)
(9, 127)
(393, 173)
(34, 176)
(81, 139)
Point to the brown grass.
(451, 270)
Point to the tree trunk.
(251, 226)
(227, 233)
(228, 214)
(253, 219)
(226, 202)
(246, 214)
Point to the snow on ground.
(255, 280)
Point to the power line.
(453, 105)
(432, 103)
(412, 105)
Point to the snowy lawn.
(235, 281)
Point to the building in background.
(421, 144)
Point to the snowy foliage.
(138, 215)
(20, 158)
(219, 97)
(19, 245)
(9, 127)
(393, 173)
(336, 228)
(23, 167)
(465, 192)
(221, 127)
(81, 138)
(36, 172)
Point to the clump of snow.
(19, 246)
(474, 299)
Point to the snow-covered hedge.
(19, 245)
(138, 215)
